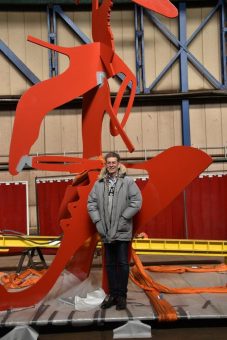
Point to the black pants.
(117, 267)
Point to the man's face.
(112, 165)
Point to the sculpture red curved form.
(74, 238)
(169, 173)
(90, 74)
(162, 7)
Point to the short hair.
(112, 154)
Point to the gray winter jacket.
(127, 202)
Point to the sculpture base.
(58, 307)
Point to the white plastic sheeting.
(92, 300)
(132, 329)
(21, 333)
(82, 295)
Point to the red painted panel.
(206, 208)
(13, 211)
(49, 197)
(169, 223)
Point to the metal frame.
(52, 38)
(183, 54)
(223, 43)
(181, 45)
(146, 246)
(185, 119)
(52, 12)
(11, 56)
(139, 48)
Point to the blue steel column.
(223, 30)
(186, 138)
(52, 38)
(139, 48)
(11, 56)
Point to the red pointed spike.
(164, 7)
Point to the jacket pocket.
(124, 224)
(100, 228)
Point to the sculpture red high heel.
(169, 173)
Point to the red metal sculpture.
(168, 173)
(91, 65)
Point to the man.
(112, 203)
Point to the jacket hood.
(121, 172)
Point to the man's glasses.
(111, 163)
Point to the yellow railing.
(19, 241)
(141, 246)
(180, 247)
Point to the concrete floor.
(185, 333)
(205, 329)
(179, 331)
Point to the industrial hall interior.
(113, 169)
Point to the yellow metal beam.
(180, 247)
(20, 241)
(141, 246)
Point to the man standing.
(112, 203)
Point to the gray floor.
(214, 333)
(159, 332)
(202, 316)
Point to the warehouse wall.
(149, 127)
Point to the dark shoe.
(109, 302)
(121, 303)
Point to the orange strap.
(181, 269)
(25, 279)
(154, 289)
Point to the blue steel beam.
(84, 39)
(212, 80)
(10, 55)
(139, 48)
(223, 43)
(204, 22)
(185, 119)
(185, 116)
(52, 38)
(162, 73)
(52, 11)
(57, 9)
(176, 42)
(53, 60)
